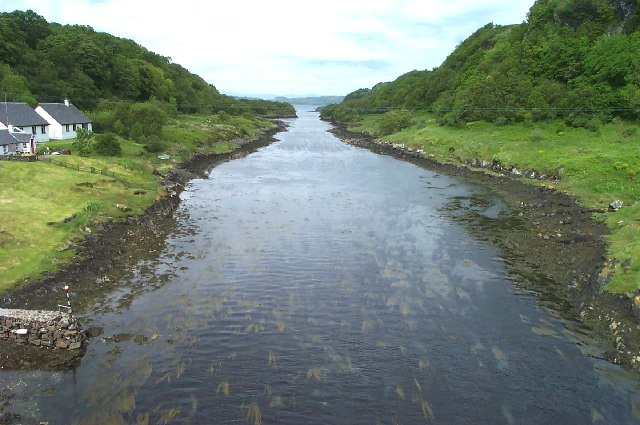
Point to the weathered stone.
(75, 345)
(615, 205)
(35, 342)
(70, 333)
(62, 344)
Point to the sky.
(289, 47)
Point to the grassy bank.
(46, 207)
(598, 166)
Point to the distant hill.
(573, 59)
(311, 100)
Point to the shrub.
(154, 146)
(91, 205)
(82, 142)
(394, 121)
(108, 145)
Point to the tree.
(82, 144)
(147, 120)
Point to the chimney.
(66, 102)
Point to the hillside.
(574, 59)
(46, 62)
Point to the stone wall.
(47, 329)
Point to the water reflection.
(317, 283)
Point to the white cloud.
(288, 46)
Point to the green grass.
(36, 197)
(597, 167)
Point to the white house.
(64, 119)
(22, 117)
(13, 142)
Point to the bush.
(155, 146)
(91, 205)
(394, 121)
(82, 142)
(108, 145)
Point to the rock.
(68, 219)
(75, 345)
(94, 331)
(123, 207)
(62, 344)
(615, 205)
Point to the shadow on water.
(313, 282)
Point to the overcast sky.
(289, 47)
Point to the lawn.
(45, 206)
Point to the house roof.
(19, 114)
(7, 138)
(65, 114)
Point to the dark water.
(316, 283)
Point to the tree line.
(46, 62)
(578, 60)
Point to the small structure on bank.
(53, 330)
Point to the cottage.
(14, 142)
(64, 119)
(21, 117)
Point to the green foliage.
(394, 121)
(155, 146)
(573, 59)
(82, 144)
(340, 113)
(107, 144)
(91, 205)
(46, 62)
(145, 120)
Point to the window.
(74, 127)
(66, 127)
(24, 146)
(43, 129)
(85, 126)
(34, 129)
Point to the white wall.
(59, 131)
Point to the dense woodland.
(578, 60)
(46, 62)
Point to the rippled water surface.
(316, 283)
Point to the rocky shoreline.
(551, 245)
(549, 237)
(107, 253)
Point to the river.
(312, 282)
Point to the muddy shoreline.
(102, 256)
(551, 246)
